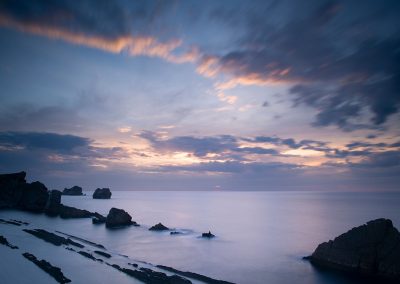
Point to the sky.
(202, 95)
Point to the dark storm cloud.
(342, 59)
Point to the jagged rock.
(34, 197)
(102, 193)
(159, 227)
(52, 238)
(207, 235)
(53, 204)
(5, 242)
(75, 190)
(372, 249)
(118, 217)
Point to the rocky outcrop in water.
(53, 204)
(4, 241)
(207, 235)
(15, 192)
(102, 193)
(52, 238)
(54, 271)
(117, 218)
(371, 249)
(159, 227)
(75, 190)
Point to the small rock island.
(75, 190)
(102, 193)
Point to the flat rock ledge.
(372, 249)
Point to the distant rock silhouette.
(207, 235)
(372, 249)
(117, 218)
(75, 190)
(159, 227)
(102, 193)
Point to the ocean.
(261, 237)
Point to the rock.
(175, 233)
(5, 242)
(99, 220)
(371, 249)
(75, 190)
(52, 238)
(102, 193)
(159, 227)
(54, 271)
(102, 253)
(53, 204)
(118, 217)
(34, 197)
(11, 189)
(207, 235)
(72, 212)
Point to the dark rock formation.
(75, 190)
(102, 253)
(175, 233)
(87, 255)
(10, 222)
(194, 275)
(102, 193)
(16, 193)
(54, 271)
(5, 242)
(83, 240)
(207, 235)
(53, 204)
(72, 212)
(371, 249)
(52, 238)
(117, 218)
(159, 227)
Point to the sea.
(261, 237)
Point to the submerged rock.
(117, 218)
(102, 193)
(99, 220)
(75, 190)
(4, 241)
(372, 249)
(207, 235)
(52, 238)
(53, 204)
(54, 271)
(159, 227)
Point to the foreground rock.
(75, 190)
(118, 217)
(159, 227)
(52, 238)
(54, 271)
(4, 241)
(102, 193)
(370, 249)
(16, 193)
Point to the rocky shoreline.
(17, 194)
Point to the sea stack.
(371, 249)
(102, 193)
(75, 190)
(118, 218)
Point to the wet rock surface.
(208, 235)
(370, 249)
(52, 238)
(194, 275)
(53, 204)
(54, 271)
(102, 193)
(5, 242)
(75, 190)
(102, 253)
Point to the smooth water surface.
(261, 236)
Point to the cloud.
(333, 62)
(103, 25)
